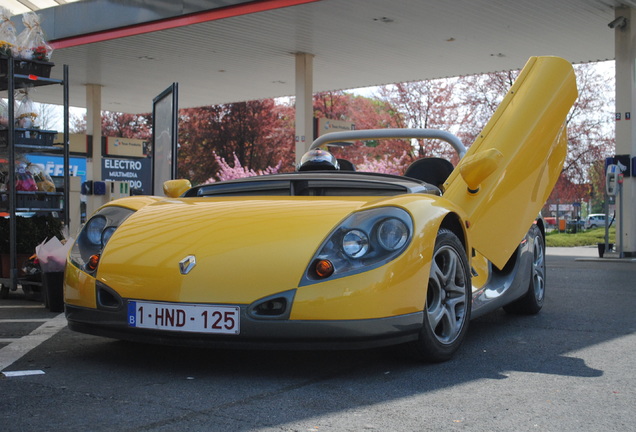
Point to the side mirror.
(478, 167)
(176, 188)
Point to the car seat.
(430, 170)
(346, 165)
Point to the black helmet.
(317, 160)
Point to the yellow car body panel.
(79, 287)
(248, 249)
(528, 135)
(136, 202)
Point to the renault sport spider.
(328, 257)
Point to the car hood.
(245, 248)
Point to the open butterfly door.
(509, 171)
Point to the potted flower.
(5, 49)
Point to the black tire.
(4, 291)
(532, 302)
(448, 301)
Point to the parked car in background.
(550, 221)
(595, 220)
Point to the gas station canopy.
(230, 51)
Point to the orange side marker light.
(324, 268)
(91, 265)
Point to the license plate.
(196, 318)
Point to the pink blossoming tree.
(227, 172)
(385, 164)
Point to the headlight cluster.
(363, 241)
(93, 237)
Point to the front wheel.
(448, 301)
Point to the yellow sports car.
(333, 258)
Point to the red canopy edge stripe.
(181, 21)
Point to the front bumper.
(261, 334)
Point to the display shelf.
(14, 75)
(28, 137)
(25, 73)
(36, 201)
(40, 149)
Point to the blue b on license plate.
(197, 318)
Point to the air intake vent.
(273, 307)
(107, 298)
(277, 306)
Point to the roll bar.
(341, 137)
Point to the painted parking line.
(23, 373)
(19, 320)
(23, 320)
(19, 347)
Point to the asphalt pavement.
(569, 368)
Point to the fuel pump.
(613, 187)
(613, 179)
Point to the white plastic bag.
(25, 115)
(42, 179)
(52, 254)
(31, 40)
(8, 38)
(4, 114)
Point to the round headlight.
(392, 234)
(355, 243)
(94, 229)
(107, 234)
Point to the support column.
(625, 55)
(94, 128)
(304, 103)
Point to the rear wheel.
(532, 302)
(448, 301)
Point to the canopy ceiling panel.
(355, 43)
